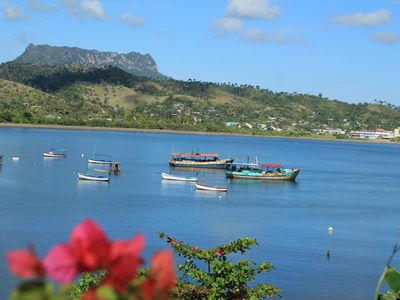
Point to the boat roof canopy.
(196, 154)
(244, 164)
(272, 165)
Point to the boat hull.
(205, 187)
(288, 175)
(82, 176)
(218, 164)
(167, 176)
(54, 155)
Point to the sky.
(345, 50)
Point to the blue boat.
(261, 172)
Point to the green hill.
(109, 96)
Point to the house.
(229, 124)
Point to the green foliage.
(87, 281)
(110, 97)
(38, 289)
(211, 274)
(392, 278)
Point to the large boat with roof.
(261, 172)
(199, 160)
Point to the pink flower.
(61, 263)
(163, 270)
(25, 264)
(124, 261)
(162, 277)
(219, 252)
(90, 245)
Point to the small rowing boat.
(205, 187)
(99, 161)
(54, 153)
(86, 176)
(167, 176)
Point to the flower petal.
(163, 270)
(124, 261)
(91, 246)
(24, 263)
(61, 263)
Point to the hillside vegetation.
(109, 96)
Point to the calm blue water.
(353, 187)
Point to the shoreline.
(171, 131)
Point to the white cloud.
(94, 8)
(227, 25)
(12, 14)
(253, 9)
(260, 36)
(365, 19)
(22, 37)
(127, 18)
(86, 9)
(257, 35)
(386, 37)
(42, 7)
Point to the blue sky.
(346, 50)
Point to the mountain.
(133, 62)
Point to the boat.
(87, 176)
(261, 172)
(55, 153)
(198, 160)
(96, 159)
(167, 176)
(205, 187)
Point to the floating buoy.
(83, 155)
(220, 197)
(330, 229)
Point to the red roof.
(272, 165)
(196, 154)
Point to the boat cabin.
(272, 168)
(238, 167)
(196, 157)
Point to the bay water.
(353, 187)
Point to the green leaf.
(392, 278)
(107, 292)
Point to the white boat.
(85, 176)
(205, 187)
(99, 161)
(167, 176)
(53, 153)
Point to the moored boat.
(198, 160)
(100, 159)
(86, 176)
(261, 172)
(167, 176)
(55, 153)
(205, 187)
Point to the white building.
(372, 135)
